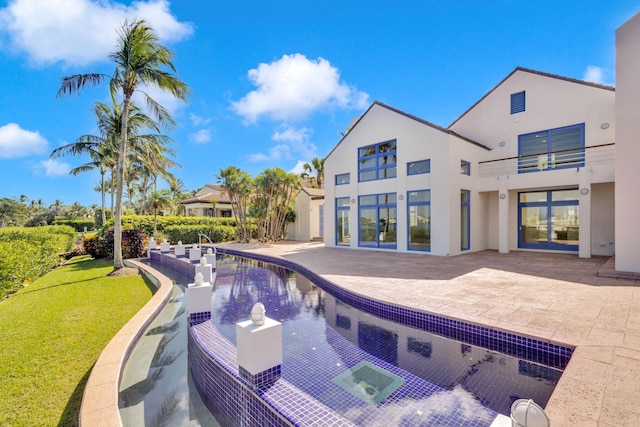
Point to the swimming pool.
(368, 363)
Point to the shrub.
(28, 253)
(93, 246)
(145, 222)
(189, 233)
(133, 243)
(79, 224)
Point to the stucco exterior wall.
(415, 141)
(627, 233)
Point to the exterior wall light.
(353, 200)
(502, 143)
(503, 196)
(584, 191)
(604, 126)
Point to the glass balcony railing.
(574, 158)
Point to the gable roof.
(214, 192)
(540, 73)
(412, 117)
(314, 193)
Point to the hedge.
(189, 233)
(28, 253)
(145, 222)
(78, 224)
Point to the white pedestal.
(165, 247)
(195, 254)
(152, 244)
(199, 298)
(179, 250)
(259, 347)
(211, 259)
(206, 272)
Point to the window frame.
(518, 102)
(418, 203)
(465, 221)
(412, 164)
(343, 175)
(377, 206)
(342, 208)
(547, 160)
(376, 157)
(465, 167)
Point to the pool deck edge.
(100, 400)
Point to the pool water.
(370, 370)
(438, 381)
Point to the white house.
(210, 200)
(309, 208)
(530, 166)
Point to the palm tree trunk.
(104, 214)
(117, 230)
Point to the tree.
(12, 212)
(140, 60)
(317, 167)
(275, 190)
(239, 185)
(158, 200)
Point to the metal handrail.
(200, 236)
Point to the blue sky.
(274, 83)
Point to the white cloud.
(199, 121)
(200, 137)
(290, 141)
(276, 153)
(16, 142)
(298, 168)
(293, 87)
(79, 32)
(594, 74)
(55, 168)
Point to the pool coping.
(100, 399)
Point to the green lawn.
(51, 334)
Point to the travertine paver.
(558, 297)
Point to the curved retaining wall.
(100, 398)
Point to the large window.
(378, 220)
(419, 211)
(551, 149)
(343, 236)
(465, 220)
(549, 220)
(377, 161)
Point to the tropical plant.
(140, 60)
(158, 199)
(315, 168)
(239, 185)
(274, 195)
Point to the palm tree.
(158, 200)
(139, 59)
(317, 166)
(239, 185)
(101, 149)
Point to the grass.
(51, 334)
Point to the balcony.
(595, 155)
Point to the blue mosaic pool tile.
(532, 349)
(216, 373)
(261, 379)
